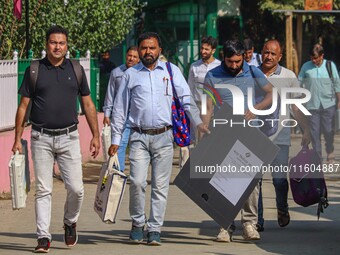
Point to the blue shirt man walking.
(116, 75)
(145, 97)
(235, 70)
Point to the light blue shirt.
(316, 79)
(112, 88)
(147, 96)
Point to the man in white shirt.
(281, 77)
(197, 73)
(199, 69)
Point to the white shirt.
(283, 78)
(197, 73)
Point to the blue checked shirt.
(147, 96)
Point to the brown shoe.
(70, 236)
(283, 218)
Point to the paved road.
(187, 230)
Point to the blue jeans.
(122, 147)
(157, 150)
(65, 149)
(322, 122)
(280, 184)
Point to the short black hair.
(248, 44)
(232, 47)
(316, 50)
(148, 35)
(56, 30)
(135, 48)
(210, 41)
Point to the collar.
(277, 70)
(49, 66)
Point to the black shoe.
(70, 236)
(259, 227)
(283, 218)
(43, 245)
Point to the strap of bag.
(168, 66)
(330, 74)
(258, 59)
(33, 71)
(113, 161)
(79, 75)
(323, 204)
(253, 75)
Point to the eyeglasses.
(54, 43)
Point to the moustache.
(148, 55)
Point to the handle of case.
(113, 161)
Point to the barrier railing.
(8, 93)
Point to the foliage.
(269, 5)
(97, 25)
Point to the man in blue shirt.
(145, 97)
(325, 92)
(235, 71)
(131, 59)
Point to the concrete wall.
(7, 139)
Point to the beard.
(150, 60)
(233, 71)
(206, 57)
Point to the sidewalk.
(187, 229)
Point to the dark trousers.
(322, 122)
(280, 183)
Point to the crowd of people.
(137, 106)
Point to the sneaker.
(224, 236)
(43, 245)
(70, 236)
(154, 238)
(250, 232)
(136, 234)
(259, 227)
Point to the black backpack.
(330, 73)
(34, 72)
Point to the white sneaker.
(224, 236)
(250, 232)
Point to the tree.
(97, 25)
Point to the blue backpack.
(269, 128)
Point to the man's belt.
(55, 132)
(155, 131)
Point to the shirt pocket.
(166, 88)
